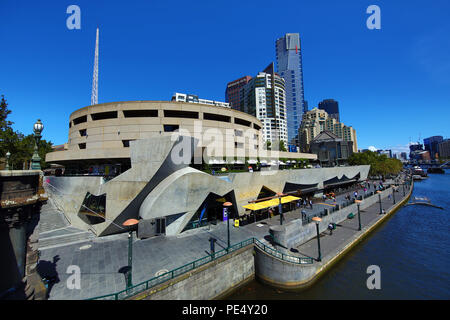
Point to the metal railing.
(143, 286)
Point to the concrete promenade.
(100, 259)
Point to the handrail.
(145, 285)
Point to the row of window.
(167, 114)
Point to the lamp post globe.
(36, 160)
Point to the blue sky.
(393, 84)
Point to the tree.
(379, 164)
(21, 147)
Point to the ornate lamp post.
(379, 198)
(36, 160)
(129, 223)
(226, 214)
(8, 154)
(358, 202)
(317, 220)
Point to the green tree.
(379, 164)
(21, 147)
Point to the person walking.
(310, 204)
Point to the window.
(242, 122)
(171, 127)
(140, 113)
(83, 132)
(70, 124)
(126, 143)
(79, 120)
(238, 133)
(216, 117)
(180, 114)
(104, 115)
(82, 145)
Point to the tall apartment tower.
(264, 97)
(289, 66)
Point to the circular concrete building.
(101, 134)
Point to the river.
(412, 250)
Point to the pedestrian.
(310, 203)
(304, 203)
(303, 214)
(331, 227)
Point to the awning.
(270, 203)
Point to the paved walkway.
(100, 259)
(330, 243)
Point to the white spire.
(94, 95)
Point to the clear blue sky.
(392, 84)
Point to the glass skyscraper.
(289, 67)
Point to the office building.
(331, 107)
(316, 121)
(431, 145)
(289, 67)
(191, 98)
(444, 149)
(234, 94)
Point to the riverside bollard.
(226, 215)
(130, 223)
(379, 198)
(317, 220)
(358, 202)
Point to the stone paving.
(330, 243)
(100, 259)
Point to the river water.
(412, 249)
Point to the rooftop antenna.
(94, 95)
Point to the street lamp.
(379, 198)
(358, 202)
(8, 154)
(317, 220)
(36, 160)
(226, 205)
(130, 223)
(280, 207)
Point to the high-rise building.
(316, 121)
(444, 149)
(331, 107)
(414, 149)
(289, 66)
(264, 97)
(431, 145)
(234, 94)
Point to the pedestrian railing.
(143, 286)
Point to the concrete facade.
(147, 190)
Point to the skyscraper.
(289, 66)
(331, 107)
(264, 97)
